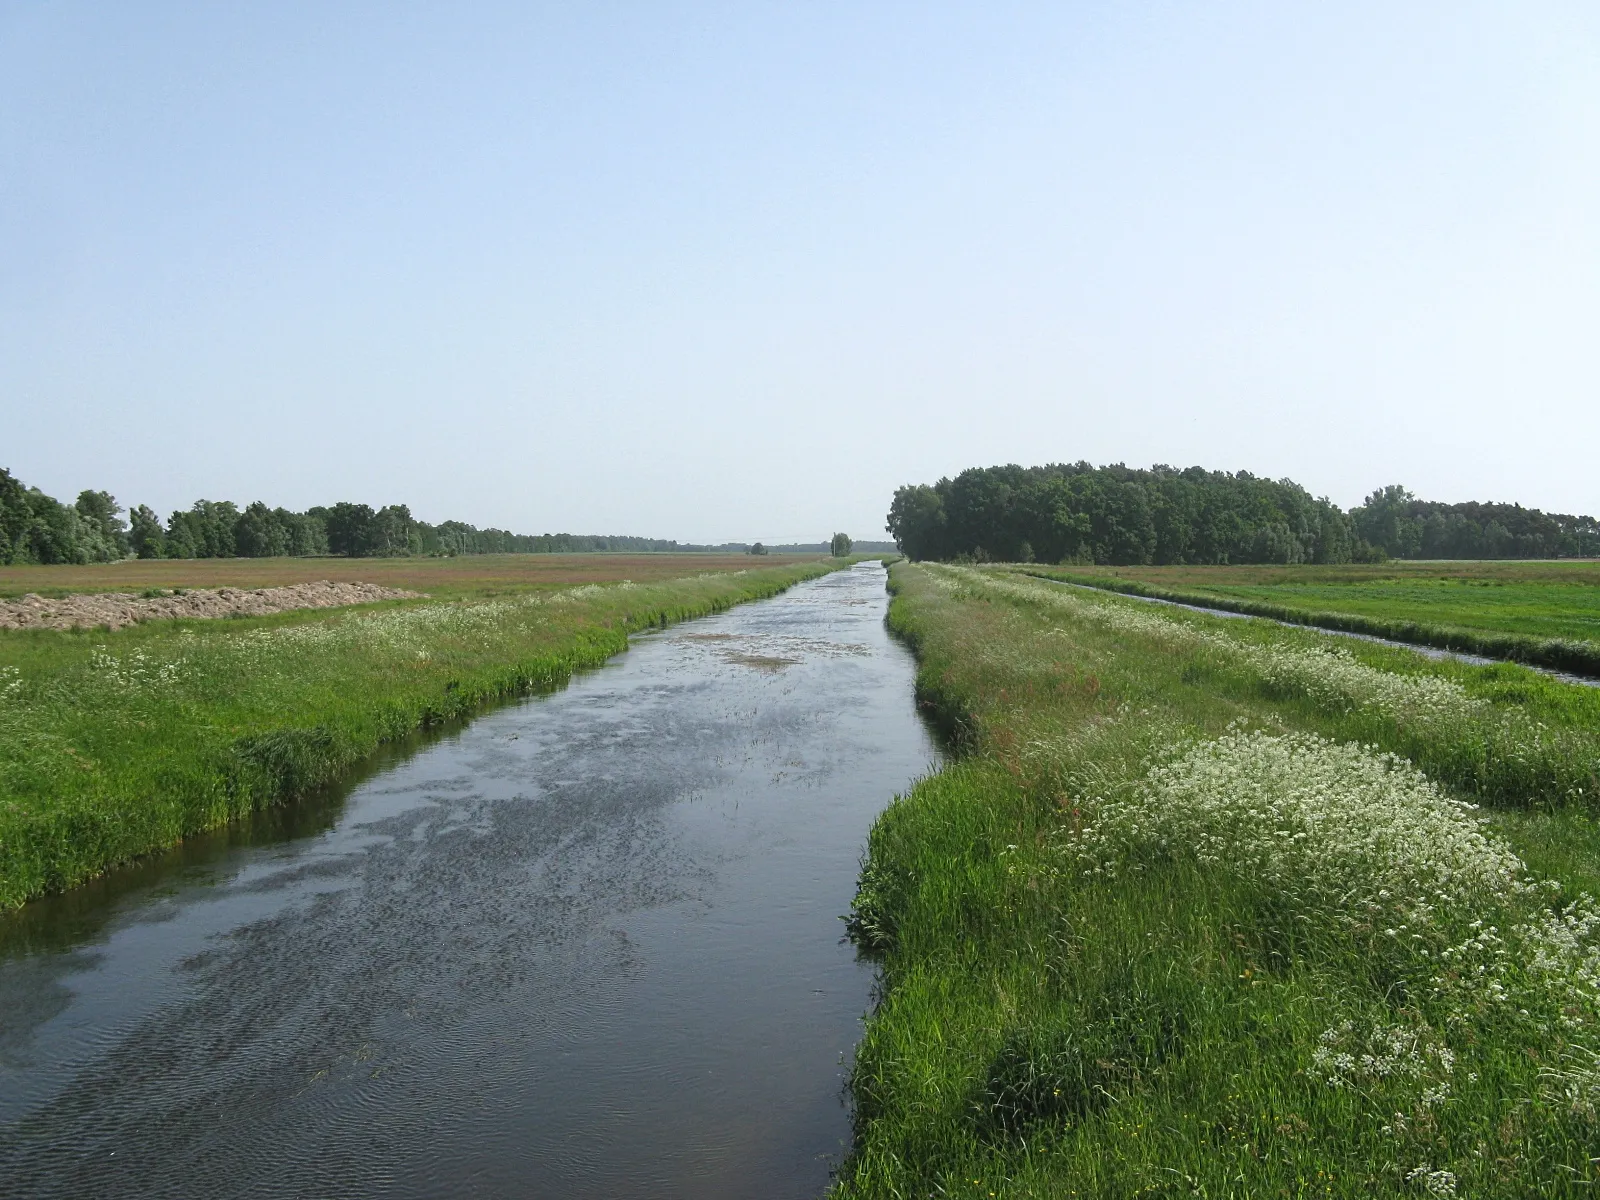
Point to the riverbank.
(588, 939)
(116, 744)
(1577, 655)
(1200, 912)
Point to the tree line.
(1406, 527)
(35, 528)
(1118, 515)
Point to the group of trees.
(34, 528)
(1122, 516)
(1402, 526)
(1057, 513)
(1082, 513)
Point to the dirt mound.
(116, 609)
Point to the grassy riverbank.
(1200, 912)
(1545, 613)
(115, 744)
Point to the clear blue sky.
(737, 270)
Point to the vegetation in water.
(114, 744)
(1205, 908)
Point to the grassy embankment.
(1187, 918)
(115, 744)
(1545, 613)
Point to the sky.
(736, 271)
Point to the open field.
(445, 578)
(116, 743)
(1541, 612)
(1202, 910)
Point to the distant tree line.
(1406, 527)
(34, 528)
(1117, 515)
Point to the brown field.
(468, 575)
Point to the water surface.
(587, 946)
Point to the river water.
(588, 945)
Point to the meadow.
(1547, 613)
(114, 744)
(464, 576)
(1209, 907)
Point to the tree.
(15, 514)
(350, 529)
(145, 536)
(104, 534)
(1077, 512)
(394, 533)
(841, 544)
(205, 531)
(758, 548)
(917, 521)
(258, 533)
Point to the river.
(586, 945)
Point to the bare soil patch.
(473, 575)
(116, 609)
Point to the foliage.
(840, 546)
(1081, 513)
(114, 744)
(1403, 526)
(146, 537)
(1200, 911)
(34, 528)
(1117, 515)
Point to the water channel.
(587, 945)
(1433, 652)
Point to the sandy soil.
(116, 609)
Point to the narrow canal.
(586, 946)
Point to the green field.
(116, 744)
(1201, 911)
(1541, 612)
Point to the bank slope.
(116, 744)
(1187, 918)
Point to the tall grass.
(1168, 928)
(1575, 654)
(1506, 736)
(115, 744)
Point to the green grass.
(116, 744)
(1080, 1002)
(1542, 613)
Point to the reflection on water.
(586, 946)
